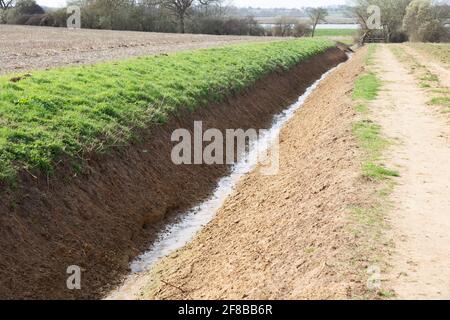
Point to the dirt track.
(283, 236)
(24, 48)
(421, 214)
(431, 64)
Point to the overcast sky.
(242, 3)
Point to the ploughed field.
(24, 48)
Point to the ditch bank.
(102, 217)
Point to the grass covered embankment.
(71, 111)
(368, 220)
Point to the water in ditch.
(181, 232)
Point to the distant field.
(330, 20)
(441, 52)
(69, 111)
(25, 48)
(336, 32)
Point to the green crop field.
(69, 111)
(335, 32)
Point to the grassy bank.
(368, 218)
(366, 89)
(71, 111)
(428, 81)
(440, 52)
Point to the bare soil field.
(25, 48)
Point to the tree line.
(193, 16)
(400, 20)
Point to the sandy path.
(281, 236)
(24, 48)
(421, 218)
(431, 64)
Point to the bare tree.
(284, 26)
(6, 4)
(359, 11)
(316, 15)
(301, 30)
(425, 22)
(180, 8)
(212, 8)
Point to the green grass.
(367, 219)
(366, 87)
(335, 32)
(370, 140)
(371, 50)
(441, 91)
(430, 77)
(367, 216)
(440, 52)
(376, 172)
(386, 294)
(441, 101)
(362, 108)
(368, 134)
(67, 112)
(429, 81)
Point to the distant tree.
(316, 15)
(227, 26)
(284, 26)
(425, 22)
(22, 12)
(253, 27)
(392, 14)
(180, 9)
(196, 16)
(4, 6)
(217, 8)
(110, 13)
(28, 7)
(301, 30)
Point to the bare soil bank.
(104, 217)
(287, 236)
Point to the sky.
(242, 3)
